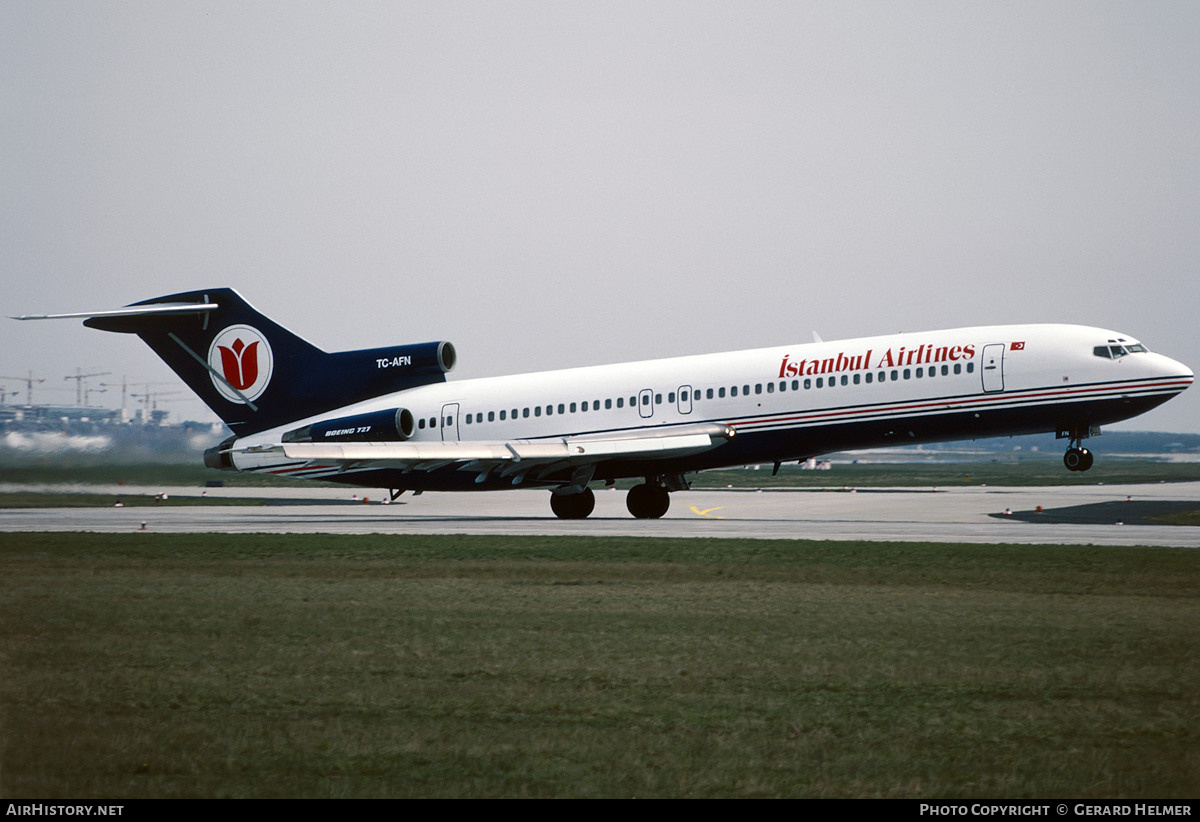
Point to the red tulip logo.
(240, 362)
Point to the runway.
(1071, 515)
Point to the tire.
(648, 501)
(573, 506)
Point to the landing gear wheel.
(1078, 459)
(573, 506)
(648, 501)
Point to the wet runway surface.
(1075, 515)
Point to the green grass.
(327, 666)
(117, 473)
(31, 499)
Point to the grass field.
(326, 666)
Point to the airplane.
(389, 418)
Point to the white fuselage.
(788, 402)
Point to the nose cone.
(1173, 370)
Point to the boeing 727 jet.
(389, 418)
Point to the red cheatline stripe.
(302, 468)
(950, 404)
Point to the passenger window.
(733, 391)
(845, 380)
(721, 392)
(820, 382)
(958, 368)
(562, 409)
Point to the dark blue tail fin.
(253, 372)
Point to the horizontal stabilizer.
(130, 311)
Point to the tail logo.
(241, 362)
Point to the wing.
(519, 459)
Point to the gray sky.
(549, 184)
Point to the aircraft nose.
(1174, 370)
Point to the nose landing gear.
(1077, 457)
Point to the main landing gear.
(648, 500)
(1077, 457)
(573, 506)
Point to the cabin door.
(685, 399)
(993, 367)
(646, 403)
(449, 422)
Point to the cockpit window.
(1117, 349)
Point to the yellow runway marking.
(706, 512)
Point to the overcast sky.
(548, 184)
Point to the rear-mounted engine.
(394, 425)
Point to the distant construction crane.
(29, 381)
(151, 399)
(79, 378)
